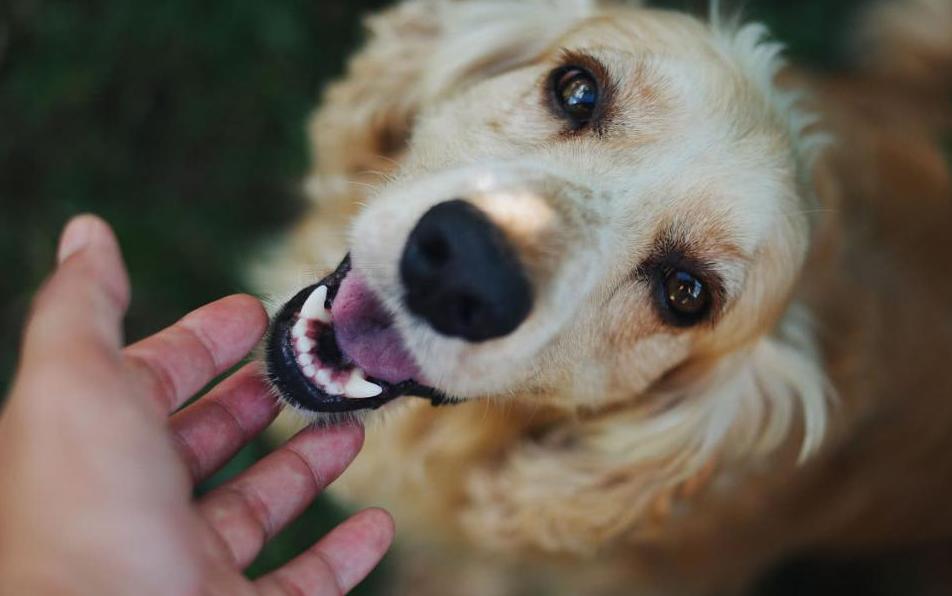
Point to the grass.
(181, 122)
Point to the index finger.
(177, 362)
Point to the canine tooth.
(305, 344)
(305, 360)
(299, 329)
(314, 306)
(359, 387)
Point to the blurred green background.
(182, 123)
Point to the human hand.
(96, 479)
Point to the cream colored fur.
(594, 432)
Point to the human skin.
(98, 460)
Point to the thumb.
(79, 309)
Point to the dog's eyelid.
(587, 61)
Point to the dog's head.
(594, 205)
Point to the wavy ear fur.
(613, 477)
(417, 52)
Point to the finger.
(251, 509)
(210, 431)
(76, 318)
(176, 363)
(337, 563)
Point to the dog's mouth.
(334, 348)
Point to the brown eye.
(576, 94)
(686, 297)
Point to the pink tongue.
(365, 332)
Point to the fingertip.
(356, 426)
(332, 448)
(82, 231)
(234, 321)
(357, 545)
(355, 429)
(89, 239)
(348, 434)
(383, 522)
(250, 307)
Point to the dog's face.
(579, 227)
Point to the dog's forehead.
(639, 30)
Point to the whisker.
(372, 187)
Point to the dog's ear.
(417, 52)
(620, 475)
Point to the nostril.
(435, 249)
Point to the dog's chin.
(333, 349)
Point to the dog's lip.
(302, 392)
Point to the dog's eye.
(686, 297)
(576, 93)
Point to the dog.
(628, 304)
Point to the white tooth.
(299, 329)
(304, 344)
(305, 360)
(323, 378)
(310, 370)
(359, 388)
(314, 306)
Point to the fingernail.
(76, 236)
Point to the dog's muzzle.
(334, 346)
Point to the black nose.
(462, 276)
